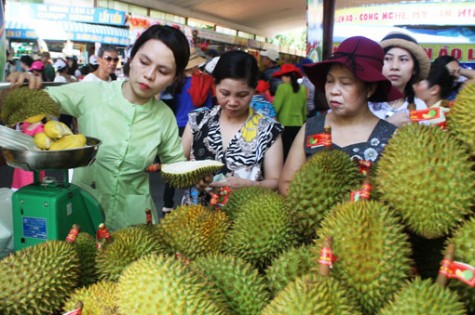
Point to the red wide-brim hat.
(364, 58)
(287, 68)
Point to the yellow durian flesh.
(35, 119)
(42, 141)
(56, 129)
(69, 142)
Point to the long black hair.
(239, 65)
(172, 37)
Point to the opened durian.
(56, 129)
(20, 104)
(188, 173)
(424, 297)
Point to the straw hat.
(404, 41)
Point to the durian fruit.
(42, 141)
(371, 248)
(126, 246)
(69, 142)
(37, 279)
(464, 241)
(20, 104)
(188, 173)
(86, 247)
(326, 179)
(56, 129)
(426, 177)
(290, 265)
(239, 196)
(98, 299)
(313, 294)
(193, 230)
(239, 282)
(156, 284)
(262, 231)
(424, 297)
(461, 117)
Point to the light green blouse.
(132, 136)
(291, 107)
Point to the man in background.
(48, 70)
(269, 60)
(107, 60)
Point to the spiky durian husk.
(290, 265)
(156, 284)
(424, 297)
(461, 117)
(324, 180)
(193, 230)
(98, 299)
(262, 231)
(37, 279)
(187, 174)
(86, 247)
(426, 177)
(126, 246)
(371, 248)
(313, 294)
(240, 283)
(239, 196)
(21, 103)
(464, 241)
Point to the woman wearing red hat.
(290, 103)
(350, 78)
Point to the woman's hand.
(400, 118)
(19, 78)
(204, 183)
(233, 183)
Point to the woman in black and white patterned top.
(247, 143)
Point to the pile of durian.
(261, 253)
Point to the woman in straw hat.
(247, 143)
(290, 103)
(350, 78)
(405, 63)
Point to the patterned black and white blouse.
(369, 151)
(244, 155)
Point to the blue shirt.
(261, 106)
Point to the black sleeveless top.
(369, 151)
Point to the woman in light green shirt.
(134, 127)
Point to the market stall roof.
(261, 17)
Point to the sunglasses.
(109, 59)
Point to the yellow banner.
(409, 14)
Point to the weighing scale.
(46, 210)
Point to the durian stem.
(324, 268)
(448, 257)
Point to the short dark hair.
(444, 60)
(105, 48)
(172, 37)
(27, 60)
(237, 65)
(440, 75)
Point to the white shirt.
(383, 110)
(91, 77)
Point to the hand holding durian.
(58, 136)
